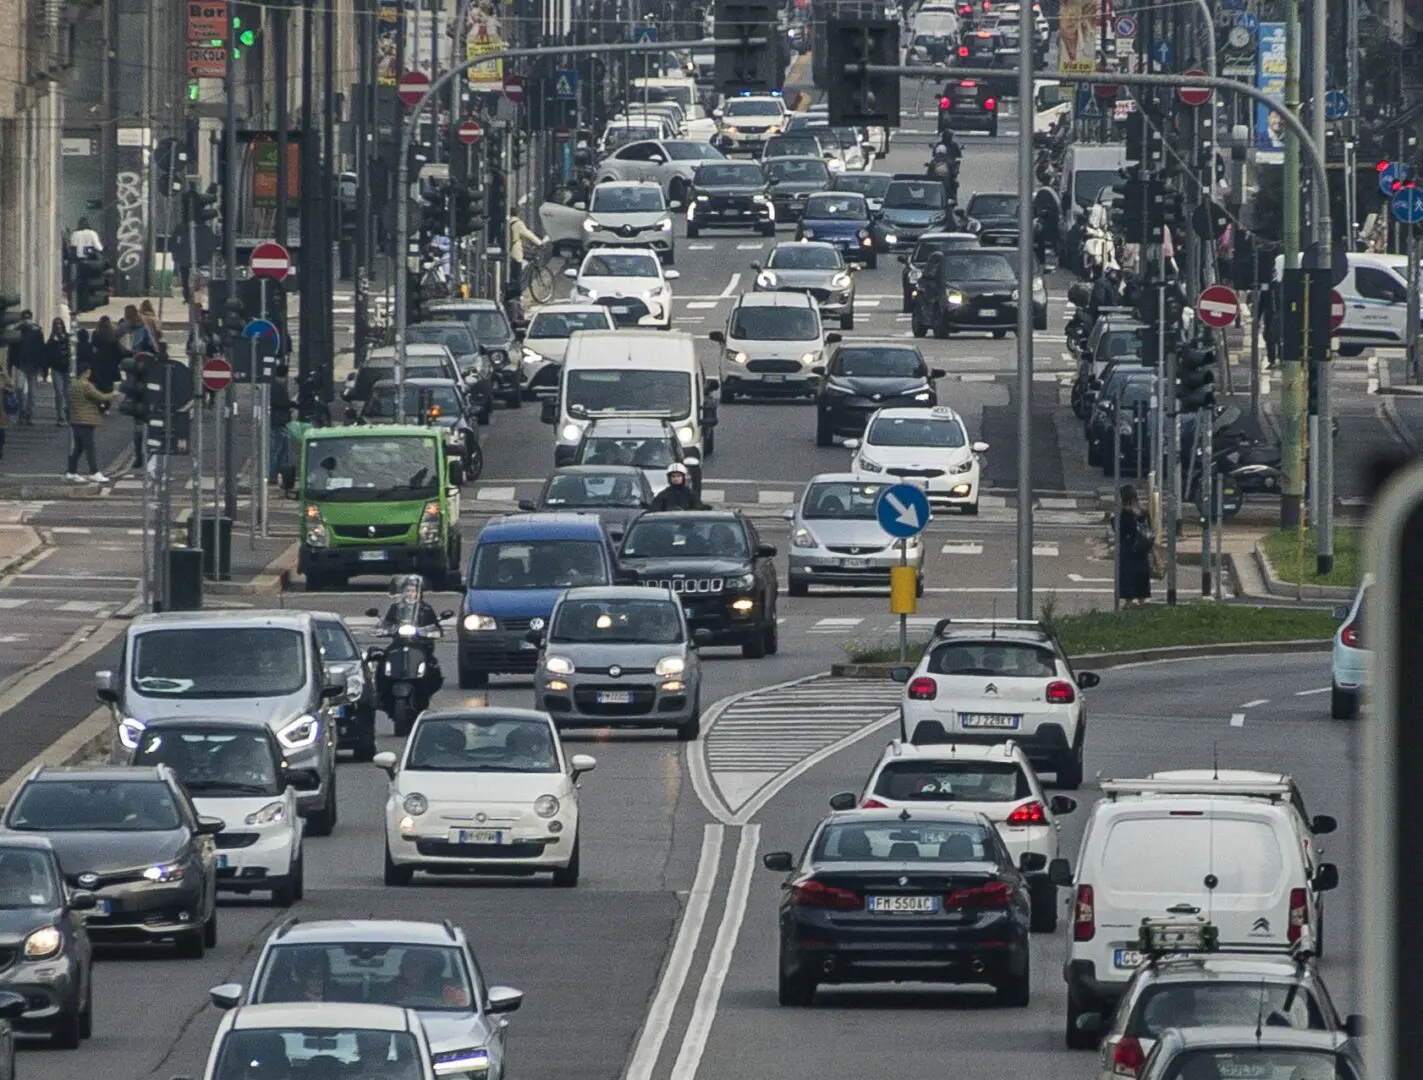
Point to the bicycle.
(536, 278)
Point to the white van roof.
(1255, 785)
(671, 351)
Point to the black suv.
(730, 194)
(966, 291)
(993, 215)
(715, 561)
(968, 105)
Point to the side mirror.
(1090, 1023)
(582, 763)
(226, 996)
(1354, 1026)
(333, 688)
(788, 513)
(304, 779)
(671, 275)
(385, 762)
(372, 613)
(717, 336)
(1321, 824)
(675, 204)
(902, 259)
(717, 114)
(851, 444)
(104, 688)
(535, 638)
(1031, 862)
(845, 800)
(937, 373)
(834, 338)
(504, 999)
(1326, 878)
(756, 266)
(1088, 679)
(980, 448)
(818, 369)
(520, 331)
(765, 551)
(548, 411)
(571, 273)
(528, 505)
(780, 861)
(692, 462)
(1059, 872)
(83, 901)
(702, 637)
(580, 206)
(211, 826)
(712, 386)
(900, 674)
(1062, 804)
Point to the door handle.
(1183, 909)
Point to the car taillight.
(989, 104)
(1299, 913)
(991, 894)
(923, 689)
(945, 103)
(963, 51)
(1352, 636)
(1084, 915)
(1033, 813)
(815, 894)
(968, 83)
(872, 804)
(1060, 693)
(1129, 1057)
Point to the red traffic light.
(1382, 166)
(945, 103)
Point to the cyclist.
(518, 234)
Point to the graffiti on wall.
(133, 224)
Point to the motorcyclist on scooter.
(1048, 214)
(411, 621)
(944, 165)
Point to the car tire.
(872, 263)
(794, 991)
(767, 229)
(70, 1031)
(397, 876)
(365, 748)
(566, 877)
(1094, 453)
(916, 327)
(1343, 704)
(692, 231)
(999, 335)
(323, 821)
(287, 894)
(677, 191)
(941, 330)
(970, 509)
(906, 305)
(670, 259)
(485, 414)
(1075, 1038)
(514, 399)
(824, 435)
(471, 678)
(1069, 769)
(210, 928)
(691, 730)
(798, 588)
(772, 636)
(847, 322)
(754, 647)
(86, 1011)
(316, 582)
(1015, 991)
(1044, 897)
(192, 944)
(402, 717)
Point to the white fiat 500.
(483, 791)
(927, 443)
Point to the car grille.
(235, 839)
(370, 532)
(478, 851)
(642, 700)
(785, 367)
(516, 626)
(915, 472)
(853, 550)
(729, 202)
(636, 309)
(820, 295)
(992, 300)
(687, 585)
(605, 670)
(751, 130)
(120, 878)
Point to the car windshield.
(953, 781)
(752, 107)
(750, 323)
(620, 264)
(591, 489)
(362, 469)
(644, 453)
(1086, 183)
(457, 338)
(442, 396)
(562, 324)
(657, 537)
(693, 151)
(26, 880)
(480, 743)
(870, 185)
(618, 622)
(795, 171)
(424, 977)
(959, 266)
(993, 206)
(622, 135)
(793, 146)
(993, 658)
(1123, 344)
(349, 1053)
(596, 390)
(896, 841)
(867, 363)
(732, 174)
(913, 195)
(1172, 1004)
(925, 248)
(917, 431)
(846, 207)
(335, 643)
(626, 199)
(537, 564)
(1257, 1063)
(218, 662)
(841, 499)
(805, 257)
(382, 369)
(94, 806)
(213, 763)
(682, 95)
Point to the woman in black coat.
(106, 355)
(1135, 540)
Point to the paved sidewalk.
(36, 455)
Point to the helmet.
(677, 469)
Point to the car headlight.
(480, 622)
(164, 872)
(745, 581)
(870, 466)
(923, 395)
(558, 665)
(1014, 297)
(270, 814)
(656, 290)
(546, 806)
(954, 297)
(760, 199)
(415, 804)
(890, 238)
(864, 234)
(808, 358)
(802, 538)
(130, 731)
(665, 224)
(914, 275)
(707, 198)
(685, 435)
(43, 942)
(316, 535)
(841, 281)
(571, 432)
(589, 225)
(962, 467)
(670, 665)
(737, 357)
(429, 529)
(455, 1062)
(300, 733)
(766, 279)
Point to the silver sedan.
(837, 541)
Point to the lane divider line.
(1257, 701)
(730, 289)
(679, 960)
(1237, 719)
(1311, 693)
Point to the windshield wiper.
(228, 785)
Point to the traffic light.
(243, 37)
(169, 158)
(1145, 142)
(1149, 345)
(9, 321)
(1164, 207)
(1128, 215)
(434, 213)
(1195, 379)
(138, 371)
(498, 213)
(93, 283)
(495, 147)
(863, 99)
(199, 207)
(517, 149)
(744, 67)
(469, 211)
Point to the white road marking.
(996, 501)
(921, 622)
(495, 494)
(1237, 719)
(10, 604)
(701, 247)
(775, 497)
(866, 301)
(1045, 590)
(1080, 579)
(679, 960)
(1311, 693)
(1046, 548)
(834, 625)
(1050, 502)
(730, 289)
(1257, 701)
(689, 318)
(86, 607)
(962, 547)
(713, 495)
(77, 530)
(749, 245)
(701, 305)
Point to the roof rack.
(944, 624)
(286, 926)
(1114, 789)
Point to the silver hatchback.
(837, 540)
(619, 656)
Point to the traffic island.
(1288, 566)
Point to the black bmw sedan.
(886, 896)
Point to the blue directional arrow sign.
(565, 87)
(1336, 105)
(1387, 177)
(1408, 205)
(1163, 53)
(902, 510)
(644, 33)
(269, 338)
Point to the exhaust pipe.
(977, 967)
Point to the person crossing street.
(84, 419)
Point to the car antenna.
(1215, 759)
(1260, 1015)
(993, 628)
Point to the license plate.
(903, 905)
(614, 697)
(477, 836)
(1126, 958)
(988, 720)
(373, 556)
(620, 310)
(988, 313)
(774, 378)
(102, 907)
(854, 564)
(222, 862)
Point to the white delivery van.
(1375, 294)
(611, 373)
(1086, 169)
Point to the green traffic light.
(248, 38)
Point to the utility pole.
(1323, 440)
(1025, 311)
(1292, 368)
(231, 167)
(1351, 61)
(280, 45)
(366, 14)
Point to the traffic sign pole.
(902, 511)
(1414, 360)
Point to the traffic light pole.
(1323, 437)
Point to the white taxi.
(926, 443)
(483, 791)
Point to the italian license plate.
(989, 720)
(774, 378)
(620, 310)
(988, 313)
(373, 556)
(477, 836)
(903, 905)
(854, 564)
(614, 697)
(102, 907)
(1126, 958)
(222, 862)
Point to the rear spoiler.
(944, 624)
(1275, 792)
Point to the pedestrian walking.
(1135, 542)
(136, 336)
(59, 358)
(106, 355)
(25, 361)
(84, 420)
(281, 415)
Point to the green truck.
(378, 500)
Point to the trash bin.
(205, 541)
(185, 578)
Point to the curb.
(1102, 661)
(275, 577)
(34, 542)
(1276, 587)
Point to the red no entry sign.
(1218, 306)
(1194, 96)
(561, 135)
(470, 132)
(217, 374)
(270, 260)
(1336, 310)
(1105, 90)
(514, 88)
(412, 87)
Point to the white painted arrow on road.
(908, 515)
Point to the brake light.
(963, 50)
(987, 5)
(989, 104)
(1352, 636)
(945, 103)
(1084, 915)
(1299, 913)
(815, 894)
(1033, 813)
(923, 689)
(991, 894)
(1129, 1058)
(1060, 693)
(873, 804)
